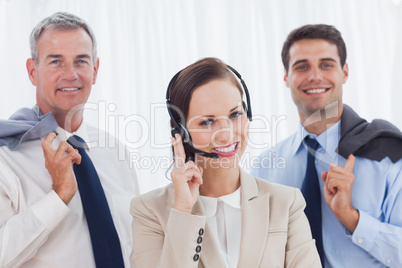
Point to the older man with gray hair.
(64, 199)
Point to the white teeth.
(317, 90)
(229, 149)
(69, 89)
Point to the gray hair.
(59, 21)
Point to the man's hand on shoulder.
(338, 185)
(59, 163)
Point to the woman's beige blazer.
(274, 230)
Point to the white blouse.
(224, 217)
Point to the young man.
(45, 218)
(355, 166)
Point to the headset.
(179, 126)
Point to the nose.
(224, 133)
(69, 72)
(315, 74)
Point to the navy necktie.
(104, 237)
(312, 195)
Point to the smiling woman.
(213, 213)
(218, 124)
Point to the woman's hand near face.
(186, 178)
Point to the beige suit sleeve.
(156, 245)
(300, 248)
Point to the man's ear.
(96, 67)
(32, 72)
(345, 71)
(285, 77)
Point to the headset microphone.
(189, 148)
(186, 138)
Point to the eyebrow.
(299, 61)
(328, 59)
(231, 110)
(83, 56)
(57, 56)
(234, 108)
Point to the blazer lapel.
(210, 255)
(254, 222)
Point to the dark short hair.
(314, 31)
(59, 21)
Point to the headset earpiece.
(174, 131)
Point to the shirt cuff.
(50, 210)
(184, 215)
(366, 231)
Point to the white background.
(142, 44)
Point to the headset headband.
(233, 70)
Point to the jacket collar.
(255, 221)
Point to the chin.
(223, 162)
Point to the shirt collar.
(64, 135)
(328, 140)
(210, 203)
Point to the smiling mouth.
(69, 89)
(228, 149)
(316, 90)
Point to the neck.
(321, 120)
(69, 121)
(220, 181)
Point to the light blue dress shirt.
(377, 194)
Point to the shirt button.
(388, 261)
(199, 240)
(196, 257)
(360, 241)
(201, 231)
(315, 162)
(198, 249)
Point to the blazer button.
(201, 231)
(198, 249)
(196, 257)
(199, 240)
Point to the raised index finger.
(178, 150)
(350, 163)
(47, 144)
